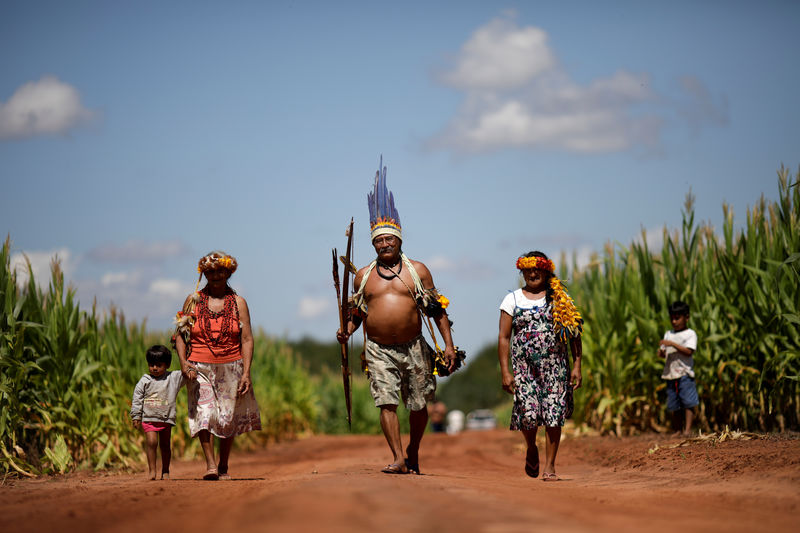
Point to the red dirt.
(472, 482)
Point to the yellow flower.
(443, 301)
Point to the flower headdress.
(213, 260)
(217, 260)
(566, 317)
(383, 215)
(535, 262)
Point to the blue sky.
(136, 137)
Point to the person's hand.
(137, 424)
(342, 336)
(244, 385)
(189, 371)
(575, 377)
(508, 383)
(451, 358)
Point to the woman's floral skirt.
(214, 405)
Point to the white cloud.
(517, 95)
(136, 251)
(40, 262)
(462, 268)
(47, 106)
(440, 263)
(312, 307)
(117, 278)
(167, 288)
(500, 56)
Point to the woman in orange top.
(215, 347)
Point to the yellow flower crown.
(217, 260)
(535, 262)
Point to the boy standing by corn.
(678, 347)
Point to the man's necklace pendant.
(394, 274)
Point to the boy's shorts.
(154, 426)
(681, 393)
(401, 369)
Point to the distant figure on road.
(393, 290)
(436, 414)
(455, 422)
(541, 321)
(677, 347)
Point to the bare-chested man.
(398, 357)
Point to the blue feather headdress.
(383, 215)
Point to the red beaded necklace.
(230, 311)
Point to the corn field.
(743, 288)
(67, 376)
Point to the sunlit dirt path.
(471, 482)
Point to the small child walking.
(677, 347)
(153, 407)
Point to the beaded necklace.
(394, 274)
(230, 311)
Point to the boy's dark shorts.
(681, 393)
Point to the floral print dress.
(543, 394)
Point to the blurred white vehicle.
(481, 419)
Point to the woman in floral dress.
(542, 324)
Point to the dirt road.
(473, 482)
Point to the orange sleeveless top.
(216, 337)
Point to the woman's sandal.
(550, 476)
(395, 468)
(413, 468)
(211, 475)
(532, 463)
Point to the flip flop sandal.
(225, 477)
(211, 475)
(395, 468)
(550, 476)
(413, 468)
(531, 468)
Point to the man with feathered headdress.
(393, 292)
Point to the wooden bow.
(343, 303)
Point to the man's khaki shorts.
(405, 369)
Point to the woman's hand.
(137, 424)
(244, 385)
(189, 371)
(575, 377)
(508, 383)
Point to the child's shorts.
(154, 426)
(681, 393)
